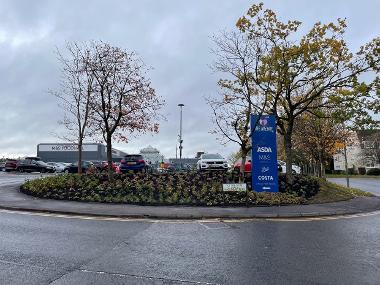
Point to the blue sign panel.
(264, 153)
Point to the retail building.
(66, 152)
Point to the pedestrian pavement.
(12, 199)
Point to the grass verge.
(352, 176)
(331, 192)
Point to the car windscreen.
(212, 156)
(133, 157)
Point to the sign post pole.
(264, 153)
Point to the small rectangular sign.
(235, 187)
(66, 147)
(264, 153)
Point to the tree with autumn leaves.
(124, 102)
(120, 100)
(296, 73)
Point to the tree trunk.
(244, 153)
(80, 144)
(109, 157)
(289, 157)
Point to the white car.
(58, 166)
(295, 168)
(210, 161)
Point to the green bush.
(373, 171)
(303, 186)
(184, 188)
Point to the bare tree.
(75, 95)
(239, 97)
(124, 101)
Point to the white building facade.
(152, 155)
(364, 151)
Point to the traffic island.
(12, 199)
(182, 189)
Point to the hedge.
(184, 188)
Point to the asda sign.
(264, 153)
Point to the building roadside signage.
(234, 187)
(66, 147)
(264, 153)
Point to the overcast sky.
(171, 36)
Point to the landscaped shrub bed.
(184, 188)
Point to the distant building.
(66, 152)
(364, 151)
(198, 154)
(185, 161)
(152, 155)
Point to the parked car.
(36, 158)
(10, 165)
(31, 165)
(295, 168)
(2, 166)
(73, 167)
(132, 163)
(103, 165)
(115, 166)
(98, 164)
(212, 161)
(58, 167)
(247, 166)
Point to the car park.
(31, 165)
(73, 167)
(132, 163)
(212, 161)
(10, 165)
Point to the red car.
(115, 167)
(11, 165)
(103, 165)
(247, 167)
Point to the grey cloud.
(171, 36)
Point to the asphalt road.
(11, 178)
(48, 249)
(367, 184)
(51, 250)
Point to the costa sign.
(264, 153)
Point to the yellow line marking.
(186, 221)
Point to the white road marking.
(179, 221)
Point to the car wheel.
(21, 169)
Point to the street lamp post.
(180, 134)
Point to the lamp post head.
(181, 105)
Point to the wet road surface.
(51, 250)
(367, 184)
